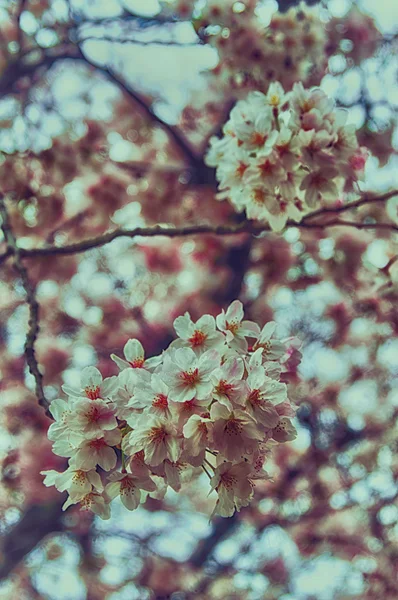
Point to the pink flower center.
(126, 484)
(190, 377)
(255, 397)
(92, 392)
(93, 414)
(233, 427)
(198, 338)
(224, 388)
(258, 139)
(240, 169)
(97, 444)
(137, 363)
(160, 401)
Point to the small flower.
(284, 431)
(272, 349)
(92, 385)
(157, 438)
(233, 486)
(91, 502)
(236, 330)
(97, 451)
(92, 417)
(262, 393)
(276, 95)
(151, 393)
(134, 355)
(128, 486)
(200, 336)
(227, 381)
(187, 375)
(77, 482)
(234, 433)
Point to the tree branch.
(37, 522)
(33, 324)
(252, 227)
(366, 199)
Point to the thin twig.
(171, 43)
(366, 199)
(33, 324)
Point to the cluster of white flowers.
(282, 154)
(209, 402)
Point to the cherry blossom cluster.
(212, 402)
(282, 154)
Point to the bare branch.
(139, 99)
(37, 522)
(33, 325)
(114, 40)
(366, 199)
(252, 227)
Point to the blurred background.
(106, 109)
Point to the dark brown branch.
(115, 40)
(33, 324)
(37, 522)
(366, 199)
(158, 230)
(252, 227)
(174, 134)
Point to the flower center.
(224, 388)
(274, 100)
(266, 168)
(126, 484)
(79, 477)
(87, 502)
(259, 196)
(228, 481)
(240, 169)
(255, 397)
(233, 427)
(93, 414)
(92, 392)
(266, 346)
(190, 377)
(160, 401)
(137, 363)
(157, 435)
(97, 444)
(198, 338)
(258, 139)
(232, 326)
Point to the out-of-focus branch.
(37, 522)
(20, 9)
(365, 199)
(284, 5)
(114, 40)
(33, 324)
(252, 227)
(182, 144)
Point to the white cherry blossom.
(236, 330)
(200, 336)
(134, 357)
(93, 386)
(188, 375)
